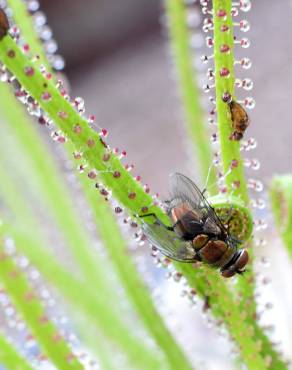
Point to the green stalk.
(10, 358)
(281, 202)
(28, 304)
(230, 149)
(195, 116)
(24, 21)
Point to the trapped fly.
(197, 232)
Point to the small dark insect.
(4, 24)
(197, 233)
(240, 120)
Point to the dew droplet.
(258, 203)
(21, 95)
(245, 63)
(45, 32)
(104, 132)
(58, 62)
(14, 32)
(244, 25)
(177, 276)
(4, 75)
(79, 104)
(209, 42)
(81, 168)
(260, 224)
(255, 164)
(91, 119)
(206, 58)
(129, 167)
(210, 73)
(51, 46)
(214, 138)
(255, 185)
(207, 25)
(245, 5)
(247, 84)
(39, 19)
(206, 88)
(245, 43)
(32, 5)
(250, 144)
(34, 109)
(118, 210)
(249, 102)
(234, 12)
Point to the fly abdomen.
(213, 251)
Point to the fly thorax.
(210, 227)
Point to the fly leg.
(171, 228)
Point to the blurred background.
(118, 59)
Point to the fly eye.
(228, 273)
(241, 261)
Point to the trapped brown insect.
(240, 120)
(197, 233)
(4, 24)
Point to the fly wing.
(185, 190)
(168, 243)
(182, 188)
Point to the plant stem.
(281, 202)
(195, 117)
(28, 304)
(24, 21)
(230, 149)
